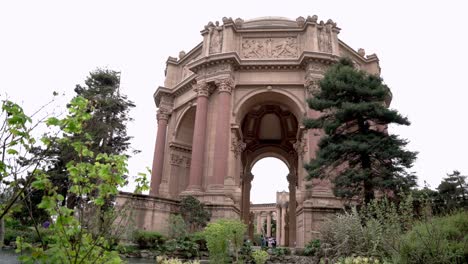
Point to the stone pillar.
(221, 150)
(199, 138)
(158, 158)
(268, 231)
(283, 225)
(246, 186)
(292, 179)
(263, 218)
(278, 225)
(259, 224)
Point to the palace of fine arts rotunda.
(237, 97)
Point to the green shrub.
(148, 239)
(280, 251)
(246, 252)
(358, 260)
(177, 226)
(260, 256)
(438, 240)
(312, 248)
(12, 234)
(183, 246)
(199, 238)
(223, 235)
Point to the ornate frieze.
(265, 48)
(180, 161)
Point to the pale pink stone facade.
(247, 83)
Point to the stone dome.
(269, 22)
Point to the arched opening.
(180, 155)
(269, 177)
(270, 128)
(268, 184)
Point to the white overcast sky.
(50, 46)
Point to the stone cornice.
(180, 147)
(367, 59)
(160, 92)
(229, 58)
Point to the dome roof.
(269, 22)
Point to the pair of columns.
(261, 217)
(221, 150)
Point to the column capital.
(202, 89)
(162, 114)
(225, 85)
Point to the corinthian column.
(158, 158)
(221, 150)
(199, 138)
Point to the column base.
(192, 191)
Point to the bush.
(257, 239)
(183, 246)
(280, 251)
(199, 238)
(260, 256)
(149, 240)
(375, 231)
(312, 248)
(439, 240)
(223, 235)
(358, 260)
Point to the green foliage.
(246, 252)
(437, 240)
(183, 246)
(194, 213)
(359, 260)
(280, 251)
(94, 177)
(149, 239)
(453, 191)
(312, 248)
(260, 256)
(177, 226)
(354, 119)
(223, 235)
(374, 231)
(199, 238)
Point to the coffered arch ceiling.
(269, 126)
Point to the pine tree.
(356, 152)
(107, 129)
(454, 190)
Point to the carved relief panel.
(265, 48)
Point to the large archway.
(270, 128)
